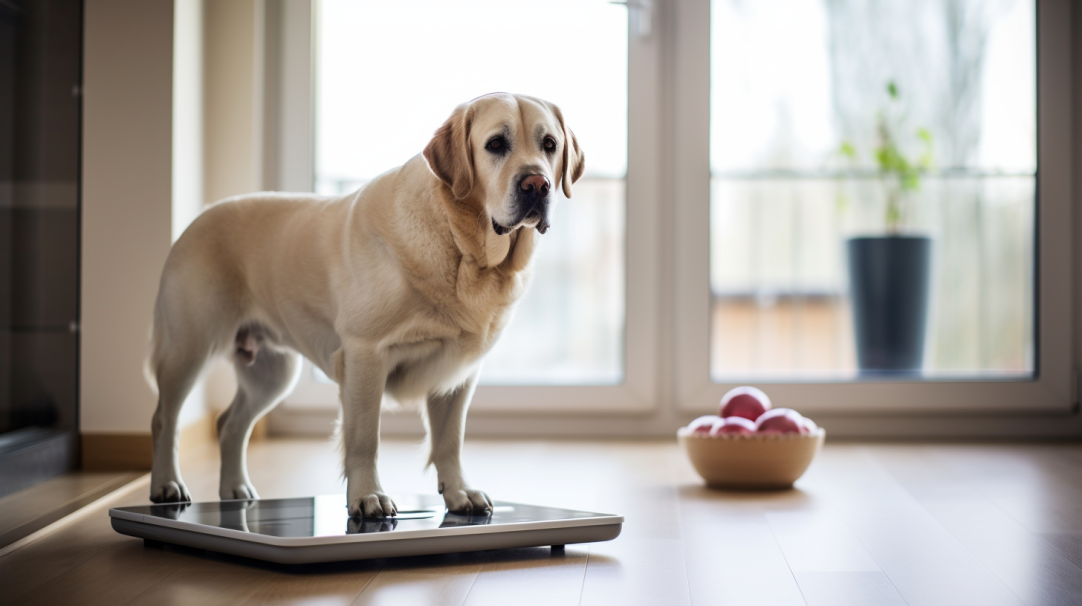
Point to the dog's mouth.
(534, 218)
(500, 229)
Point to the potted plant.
(889, 274)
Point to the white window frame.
(1052, 389)
(638, 391)
(667, 267)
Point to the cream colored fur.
(401, 287)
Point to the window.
(386, 77)
(382, 89)
(836, 125)
(732, 162)
(805, 96)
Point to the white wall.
(188, 197)
(232, 128)
(172, 121)
(127, 215)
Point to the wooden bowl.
(751, 461)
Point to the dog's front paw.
(237, 490)
(169, 491)
(372, 505)
(466, 501)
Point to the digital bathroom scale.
(319, 529)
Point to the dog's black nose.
(538, 184)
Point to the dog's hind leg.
(264, 377)
(176, 372)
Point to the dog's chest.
(439, 347)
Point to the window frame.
(637, 393)
(1051, 390)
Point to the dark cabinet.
(40, 107)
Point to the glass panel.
(327, 515)
(873, 189)
(40, 63)
(390, 73)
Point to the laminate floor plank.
(337, 585)
(1029, 565)
(848, 588)
(737, 560)
(108, 578)
(868, 524)
(1038, 485)
(206, 581)
(925, 562)
(533, 577)
(819, 541)
(1067, 543)
(631, 572)
(49, 558)
(732, 554)
(425, 580)
(34, 508)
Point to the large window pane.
(814, 106)
(389, 73)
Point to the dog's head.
(506, 154)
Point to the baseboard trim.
(135, 451)
(117, 451)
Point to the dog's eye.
(550, 144)
(496, 145)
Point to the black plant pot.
(888, 288)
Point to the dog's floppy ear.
(450, 155)
(574, 158)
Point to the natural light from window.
(873, 189)
(389, 73)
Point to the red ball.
(748, 402)
(733, 426)
(704, 424)
(781, 420)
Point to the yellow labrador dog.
(399, 288)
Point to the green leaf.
(892, 89)
(894, 216)
(910, 180)
(842, 203)
(848, 150)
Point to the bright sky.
(771, 77)
(390, 73)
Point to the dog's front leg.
(362, 391)
(447, 427)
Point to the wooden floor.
(868, 524)
(31, 509)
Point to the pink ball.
(781, 420)
(733, 426)
(704, 424)
(748, 402)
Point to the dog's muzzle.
(532, 200)
(531, 205)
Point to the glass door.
(386, 77)
(40, 79)
(865, 225)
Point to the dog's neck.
(475, 238)
(497, 247)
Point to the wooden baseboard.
(135, 451)
(117, 451)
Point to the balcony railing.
(780, 306)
